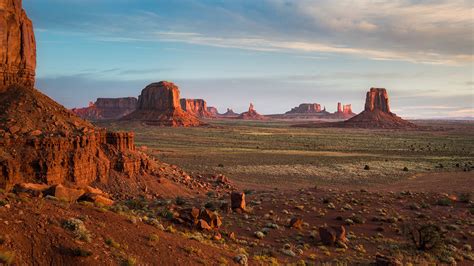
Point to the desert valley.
(155, 178)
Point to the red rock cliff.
(107, 108)
(197, 107)
(159, 104)
(18, 47)
(377, 99)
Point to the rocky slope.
(196, 107)
(251, 114)
(18, 46)
(159, 105)
(107, 108)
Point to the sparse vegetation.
(112, 243)
(78, 228)
(7, 257)
(424, 237)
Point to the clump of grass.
(7, 257)
(180, 201)
(366, 167)
(78, 228)
(153, 238)
(129, 261)
(465, 197)
(3, 203)
(444, 202)
(112, 243)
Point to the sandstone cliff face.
(107, 108)
(306, 108)
(377, 99)
(196, 107)
(159, 104)
(251, 114)
(18, 47)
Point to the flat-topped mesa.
(107, 108)
(18, 46)
(306, 108)
(196, 107)
(377, 99)
(159, 104)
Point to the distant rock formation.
(306, 108)
(377, 114)
(251, 114)
(230, 113)
(213, 111)
(159, 105)
(18, 46)
(343, 112)
(107, 108)
(196, 107)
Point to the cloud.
(427, 32)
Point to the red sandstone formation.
(107, 108)
(42, 142)
(196, 107)
(159, 105)
(376, 114)
(18, 47)
(306, 108)
(343, 112)
(230, 113)
(213, 111)
(251, 114)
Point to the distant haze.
(274, 53)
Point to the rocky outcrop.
(159, 104)
(213, 111)
(230, 113)
(18, 47)
(107, 108)
(343, 112)
(196, 107)
(251, 114)
(376, 115)
(306, 108)
(377, 100)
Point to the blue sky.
(274, 53)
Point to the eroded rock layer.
(196, 107)
(107, 108)
(159, 105)
(18, 47)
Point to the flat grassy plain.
(273, 154)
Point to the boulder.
(64, 193)
(296, 223)
(238, 201)
(35, 190)
(159, 104)
(331, 235)
(18, 46)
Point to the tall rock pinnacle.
(17, 39)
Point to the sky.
(273, 53)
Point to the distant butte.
(251, 114)
(159, 105)
(196, 107)
(107, 108)
(376, 114)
